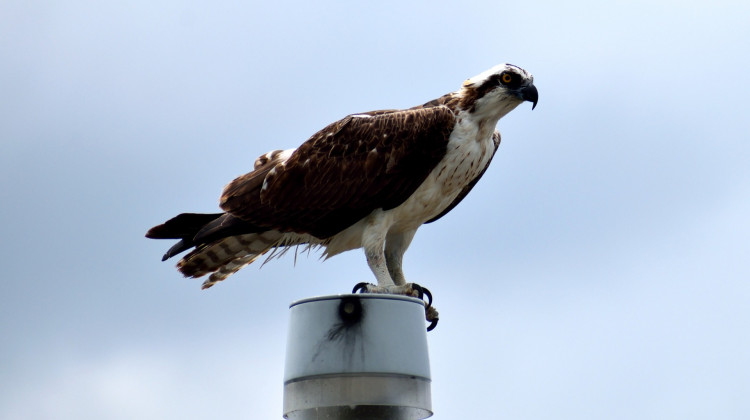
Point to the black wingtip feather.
(182, 226)
(180, 246)
(156, 232)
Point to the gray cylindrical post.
(359, 357)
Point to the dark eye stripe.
(492, 82)
(497, 80)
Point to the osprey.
(368, 181)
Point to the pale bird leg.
(395, 247)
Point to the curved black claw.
(360, 287)
(429, 299)
(432, 316)
(433, 324)
(419, 289)
(423, 291)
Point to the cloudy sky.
(598, 271)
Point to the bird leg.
(386, 265)
(384, 255)
(376, 259)
(395, 247)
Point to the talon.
(427, 293)
(419, 289)
(360, 288)
(410, 289)
(423, 291)
(431, 314)
(432, 325)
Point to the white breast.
(469, 152)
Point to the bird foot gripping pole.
(357, 357)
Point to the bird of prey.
(369, 180)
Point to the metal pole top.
(360, 356)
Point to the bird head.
(499, 90)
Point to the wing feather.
(344, 172)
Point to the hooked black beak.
(529, 93)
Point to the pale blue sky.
(598, 271)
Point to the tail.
(223, 244)
(225, 257)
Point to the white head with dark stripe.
(497, 91)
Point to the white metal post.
(361, 356)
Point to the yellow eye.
(506, 78)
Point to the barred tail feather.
(229, 268)
(226, 256)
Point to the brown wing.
(345, 171)
(467, 189)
